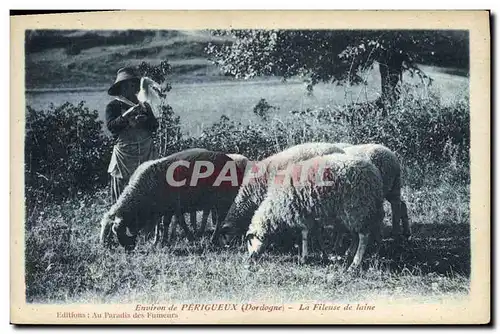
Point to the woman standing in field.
(132, 125)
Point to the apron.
(133, 147)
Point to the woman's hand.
(140, 118)
(132, 111)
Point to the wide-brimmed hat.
(123, 74)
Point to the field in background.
(200, 105)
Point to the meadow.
(65, 263)
(201, 104)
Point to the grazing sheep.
(335, 189)
(241, 163)
(149, 195)
(390, 170)
(255, 184)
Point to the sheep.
(254, 187)
(388, 165)
(151, 192)
(241, 163)
(335, 189)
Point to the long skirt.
(117, 186)
(126, 157)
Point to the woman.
(132, 128)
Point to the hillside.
(90, 58)
(72, 58)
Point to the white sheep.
(343, 145)
(255, 184)
(390, 169)
(336, 189)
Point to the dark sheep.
(149, 196)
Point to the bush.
(66, 152)
(263, 109)
(427, 135)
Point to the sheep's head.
(237, 221)
(106, 234)
(125, 234)
(228, 234)
(255, 246)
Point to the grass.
(65, 263)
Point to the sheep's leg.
(396, 216)
(349, 254)
(204, 220)
(363, 242)
(218, 223)
(318, 232)
(304, 255)
(182, 223)
(173, 234)
(339, 237)
(166, 223)
(192, 221)
(376, 235)
(404, 219)
(156, 230)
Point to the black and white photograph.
(223, 174)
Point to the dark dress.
(133, 143)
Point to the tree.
(338, 56)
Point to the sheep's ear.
(248, 238)
(128, 233)
(117, 222)
(106, 226)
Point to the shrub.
(65, 152)
(263, 109)
(427, 135)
